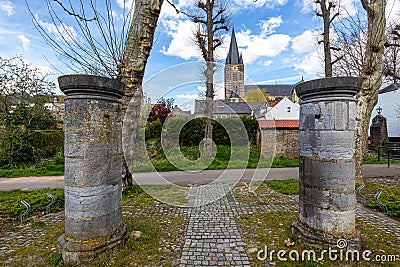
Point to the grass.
(32, 170)
(11, 207)
(286, 187)
(187, 158)
(46, 167)
(158, 242)
(374, 160)
(390, 197)
(271, 229)
(183, 158)
(272, 233)
(174, 195)
(285, 163)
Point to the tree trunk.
(372, 77)
(209, 108)
(326, 16)
(131, 72)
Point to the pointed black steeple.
(233, 56)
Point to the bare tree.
(211, 19)
(391, 61)
(93, 43)
(328, 11)
(100, 44)
(371, 74)
(352, 40)
(131, 71)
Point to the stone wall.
(286, 141)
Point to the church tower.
(234, 71)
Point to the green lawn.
(11, 207)
(155, 158)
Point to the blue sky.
(277, 39)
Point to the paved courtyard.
(212, 237)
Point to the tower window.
(235, 77)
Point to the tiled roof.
(390, 88)
(273, 103)
(279, 124)
(272, 89)
(227, 107)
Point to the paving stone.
(215, 222)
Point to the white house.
(389, 101)
(284, 110)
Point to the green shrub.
(153, 130)
(190, 132)
(28, 134)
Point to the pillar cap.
(344, 87)
(79, 85)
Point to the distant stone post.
(327, 162)
(93, 167)
(378, 132)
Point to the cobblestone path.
(378, 220)
(212, 237)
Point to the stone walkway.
(212, 237)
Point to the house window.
(288, 109)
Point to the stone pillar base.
(312, 238)
(83, 251)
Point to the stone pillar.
(327, 162)
(93, 167)
(378, 132)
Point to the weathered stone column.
(327, 162)
(93, 166)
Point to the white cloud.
(268, 26)
(256, 46)
(169, 12)
(62, 31)
(25, 41)
(182, 44)
(8, 7)
(310, 64)
(189, 96)
(187, 106)
(304, 42)
(253, 46)
(268, 63)
(125, 3)
(260, 3)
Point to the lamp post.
(379, 109)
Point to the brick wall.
(286, 145)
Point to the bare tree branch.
(72, 13)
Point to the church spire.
(233, 56)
